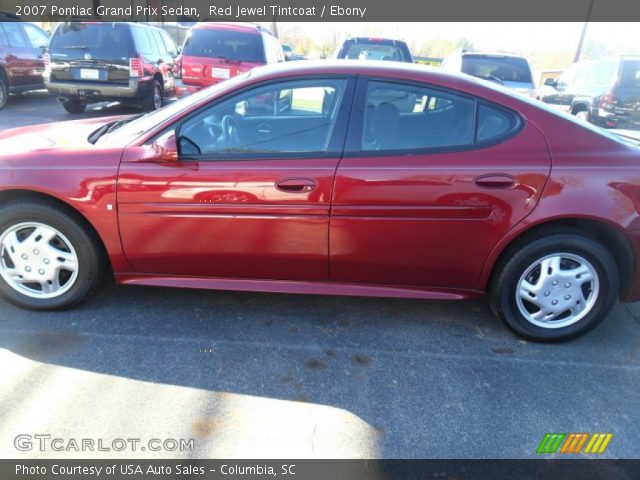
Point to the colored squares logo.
(586, 443)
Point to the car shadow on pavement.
(415, 372)
(41, 107)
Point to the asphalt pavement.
(250, 375)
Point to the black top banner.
(322, 10)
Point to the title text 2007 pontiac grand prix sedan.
(341, 178)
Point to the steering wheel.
(231, 131)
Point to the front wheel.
(47, 258)
(556, 288)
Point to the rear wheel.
(555, 288)
(47, 259)
(4, 91)
(153, 101)
(74, 105)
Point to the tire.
(582, 115)
(153, 100)
(4, 92)
(74, 105)
(583, 297)
(49, 246)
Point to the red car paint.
(208, 56)
(421, 226)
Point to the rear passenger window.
(494, 123)
(142, 41)
(14, 35)
(170, 45)
(159, 43)
(409, 117)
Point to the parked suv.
(365, 48)
(22, 47)
(92, 62)
(605, 92)
(213, 52)
(507, 69)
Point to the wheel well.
(608, 236)
(4, 76)
(579, 107)
(27, 195)
(159, 78)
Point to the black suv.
(22, 47)
(365, 48)
(605, 92)
(127, 62)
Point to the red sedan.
(341, 178)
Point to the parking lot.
(271, 375)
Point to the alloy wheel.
(557, 290)
(37, 260)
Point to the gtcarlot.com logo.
(595, 443)
(46, 442)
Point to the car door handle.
(264, 129)
(296, 185)
(500, 181)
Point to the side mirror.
(551, 82)
(165, 148)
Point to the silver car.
(507, 69)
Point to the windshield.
(373, 51)
(230, 44)
(132, 130)
(630, 75)
(506, 69)
(100, 40)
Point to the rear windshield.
(630, 74)
(100, 40)
(373, 51)
(233, 45)
(507, 69)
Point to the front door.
(430, 182)
(250, 194)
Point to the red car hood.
(50, 136)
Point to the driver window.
(288, 117)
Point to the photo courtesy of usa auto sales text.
(96, 471)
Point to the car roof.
(372, 39)
(10, 17)
(237, 26)
(401, 70)
(492, 53)
(107, 24)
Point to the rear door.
(430, 181)
(38, 41)
(250, 196)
